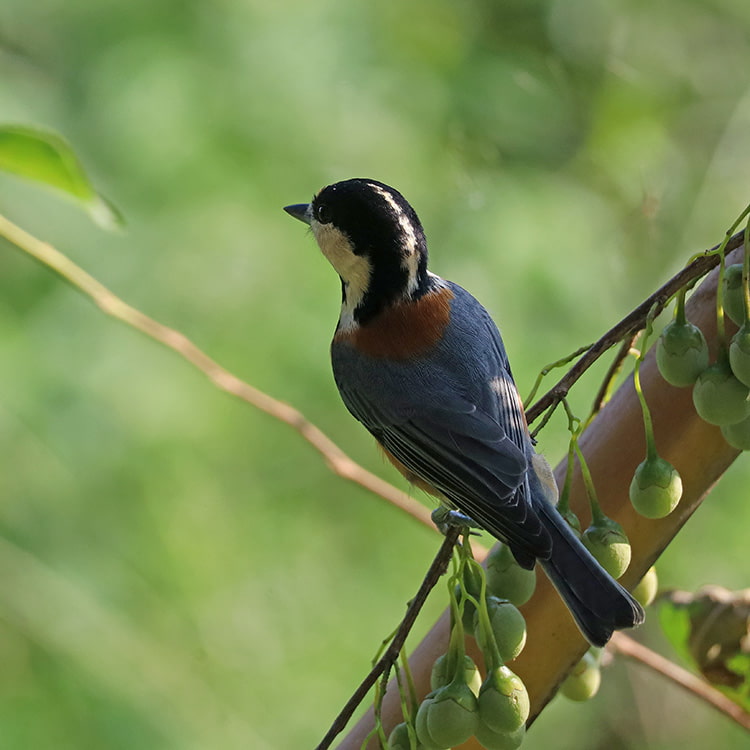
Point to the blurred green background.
(178, 570)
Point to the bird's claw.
(445, 518)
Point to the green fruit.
(399, 738)
(503, 701)
(738, 434)
(583, 682)
(499, 740)
(572, 520)
(442, 676)
(645, 591)
(681, 353)
(424, 740)
(734, 297)
(447, 717)
(719, 397)
(739, 355)
(508, 627)
(506, 579)
(607, 542)
(656, 488)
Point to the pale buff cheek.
(353, 269)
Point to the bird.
(421, 364)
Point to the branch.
(631, 649)
(384, 664)
(631, 324)
(346, 468)
(614, 444)
(109, 303)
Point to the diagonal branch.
(625, 646)
(334, 457)
(387, 660)
(109, 303)
(631, 324)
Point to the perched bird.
(420, 363)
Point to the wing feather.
(467, 456)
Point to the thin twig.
(630, 324)
(631, 649)
(386, 661)
(109, 303)
(345, 467)
(614, 370)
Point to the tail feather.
(597, 602)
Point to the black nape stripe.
(382, 226)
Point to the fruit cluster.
(462, 704)
(721, 389)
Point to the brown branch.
(630, 324)
(386, 661)
(625, 646)
(109, 303)
(614, 444)
(335, 458)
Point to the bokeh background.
(180, 571)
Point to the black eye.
(323, 214)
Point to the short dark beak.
(300, 211)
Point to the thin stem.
(436, 569)
(625, 646)
(563, 505)
(413, 699)
(488, 644)
(110, 304)
(679, 312)
(648, 424)
(547, 369)
(597, 514)
(632, 323)
(605, 389)
(746, 273)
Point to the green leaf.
(740, 665)
(43, 156)
(711, 628)
(675, 622)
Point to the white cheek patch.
(354, 270)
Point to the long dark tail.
(597, 602)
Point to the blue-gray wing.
(466, 455)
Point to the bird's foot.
(445, 518)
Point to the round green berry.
(681, 353)
(399, 739)
(508, 627)
(734, 297)
(719, 397)
(738, 434)
(739, 355)
(572, 520)
(506, 578)
(607, 542)
(448, 716)
(656, 488)
(492, 740)
(583, 682)
(503, 701)
(441, 674)
(645, 591)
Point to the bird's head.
(374, 240)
